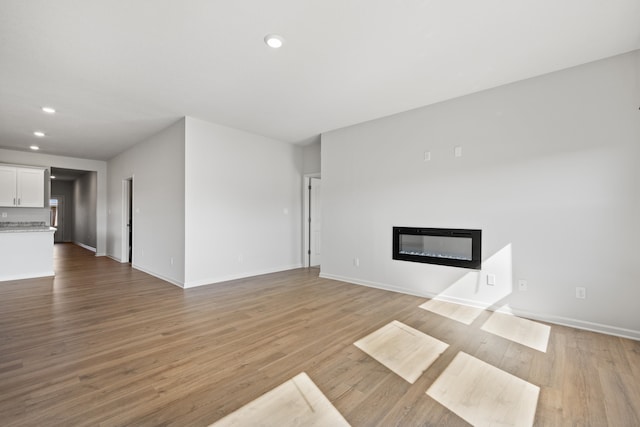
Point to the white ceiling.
(118, 71)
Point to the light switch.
(491, 279)
(427, 156)
(457, 151)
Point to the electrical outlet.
(522, 285)
(171, 260)
(581, 293)
(4, 214)
(457, 151)
(427, 156)
(356, 262)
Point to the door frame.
(305, 217)
(127, 194)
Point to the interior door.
(315, 221)
(130, 219)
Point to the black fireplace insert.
(443, 246)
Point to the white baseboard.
(578, 324)
(209, 281)
(376, 285)
(212, 280)
(82, 245)
(114, 258)
(159, 276)
(543, 317)
(27, 276)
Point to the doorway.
(127, 216)
(75, 215)
(57, 220)
(313, 221)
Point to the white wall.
(243, 204)
(311, 158)
(157, 168)
(100, 167)
(549, 173)
(84, 207)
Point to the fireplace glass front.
(443, 246)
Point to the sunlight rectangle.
(404, 350)
(458, 312)
(297, 402)
(484, 395)
(523, 331)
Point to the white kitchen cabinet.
(30, 188)
(26, 253)
(21, 187)
(8, 185)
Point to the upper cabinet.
(8, 186)
(21, 187)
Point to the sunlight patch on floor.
(404, 350)
(484, 395)
(458, 312)
(297, 402)
(523, 331)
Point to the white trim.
(124, 229)
(212, 280)
(370, 284)
(543, 317)
(159, 276)
(82, 245)
(578, 324)
(27, 276)
(305, 215)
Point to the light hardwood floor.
(103, 344)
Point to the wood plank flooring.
(103, 344)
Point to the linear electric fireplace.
(443, 246)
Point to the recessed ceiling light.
(274, 41)
(34, 147)
(48, 110)
(39, 134)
